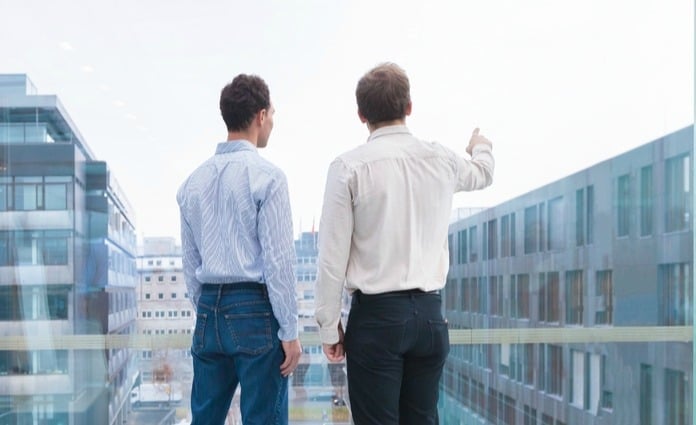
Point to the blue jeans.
(235, 342)
(396, 346)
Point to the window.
(475, 303)
(646, 394)
(574, 297)
(450, 249)
(47, 247)
(531, 230)
(623, 205)
(34, 193)
(466, 295)
(39, 362)
(577, 377)
(677, 194)
(473, 250)
(530, 415)
(160, 296)
(482, 289)
(28, 193)
(484, 240)
(450, 294)
(604, 296)
(173, 279)
(173, 295)
(519, 285)
(55, 247)
(584, 210)
(492, 239)
(147, 295)
(646, 201)
(607, 400)
(674, 294)
(160, 278)
(34, 302)
(495, 290)
(556, 219)
(147, 278)
(676, 404)
(521, 363)
(462, 245)
(585, 380)
(551, 369)
(549, 297)
(507, 235)
(56, 192)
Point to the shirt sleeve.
(191, 260)
(335, 233)
(278, 251)
(476, 173)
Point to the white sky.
(556, 85)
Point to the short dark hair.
(242, 99)
(383, 93)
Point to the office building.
(164, 308)
(67, 269)
(585, 259)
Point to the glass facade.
(569, 304)
(558, 352)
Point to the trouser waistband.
(359, 296)
(214, 288)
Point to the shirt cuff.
(328, 336)
(288, 333)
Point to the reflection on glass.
(626, 268)
(95, 331)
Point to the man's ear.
(261, 116)
(362, 118)
(409, 107)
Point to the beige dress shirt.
(385, 217)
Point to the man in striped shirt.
(238, 256)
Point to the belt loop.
(219, 295)
(356, 297)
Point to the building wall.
(62, 270)
(164, 308)
(606, 247)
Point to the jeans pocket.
(440, 336)
(199, 332)
(251, 332)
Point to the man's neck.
(248, 135)
(378, 125)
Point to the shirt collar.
(388, 130)
(234, 146)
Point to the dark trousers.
(396, 346)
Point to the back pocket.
(251, 332)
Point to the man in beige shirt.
(383, 233)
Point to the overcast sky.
(556, 85)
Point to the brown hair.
(241, 99)
(383, 93)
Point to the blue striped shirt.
(236, 226)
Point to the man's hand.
(335, 352)
(476, 139)
(293, 351)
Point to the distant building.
(313, 369)
(163, 309)
(67, 269)
(607, 247)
